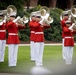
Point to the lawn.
(52, 59)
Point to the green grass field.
(52, 59)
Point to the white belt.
(69, 37)
(32, 31)
(13, 34)
(39, 33)
(2, 30)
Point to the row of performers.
(37, 26)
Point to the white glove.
(1, 23)
(46, 16)
(16, 19)
(5, 19)
(41, 22)
(25, 21)
(70, 28)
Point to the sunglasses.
(65, 15)
(68, 23)
(1, 15)
(12, 16)
(38, 16)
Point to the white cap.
(38, 14)
(65, 13)
(33, 13)
(13, 14)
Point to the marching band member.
(39, 40)
(2, 37)
(13, 38)
(65, 17)
(32, 35)
(68, 42)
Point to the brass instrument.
(73, 15)
(74, 27)
(25, 19)
(22, 20)
(48, 19)
(43, 10)
(11, 9)
(45, 15)
(73, 10)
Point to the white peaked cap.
(65, 13)
(13, 14)
(33, 13)
(38, 14)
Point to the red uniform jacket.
(62, 25)
(39, 34)
(68, 37)
(2, 32)
(12, 29)
(32, 30)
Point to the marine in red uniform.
(2, 37)
(65, 17)
(32, 35)
(39, 40)
(68, 42)
(13, 39)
